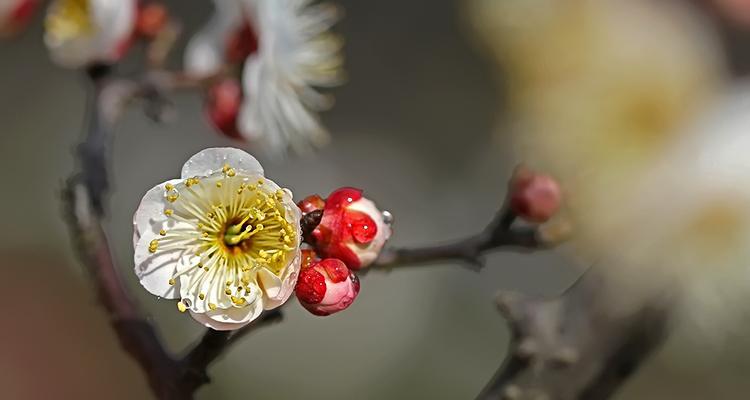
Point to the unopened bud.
(534, 197)
(352, 228)
(326, 287)
(223, 105)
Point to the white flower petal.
(212, 160)
(282, 287)
(112, 22)
(231, 318)
(151, 209)
(205, 53)
(154, 270)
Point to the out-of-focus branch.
(577, 345)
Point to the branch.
(499, 233)
(214, 344)
(577, 345)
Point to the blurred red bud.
(326, 287)
(241, 44)
(16, 16)
(151, 20)
(736, 11)
(534, 197)
(223, 103)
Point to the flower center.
(69, 19)
(229, 227)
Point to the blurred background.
(413, 126)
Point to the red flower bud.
(223, 105)
(534, 197)
(241, 44)
(326, 287)
(151, 20)
(352, 229)
(16, 16)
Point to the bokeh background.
(413, 127)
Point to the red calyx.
(241, 43)
(311, 286)
(311, 203)
(338, 226)
(223, 103)
(335, 269)
(308, 258)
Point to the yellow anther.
(231, 172)
(172, 282)
(229, 283)
(280, 194)
(225, 168)
(218, 184)
(212, 306)
(162, 232)
(200, 225)
(206, 269)
(227, 292)
(238, 300)
(202, 296)
(169, 187)
(192, 181)
(204, 234)
(181, 306)
(168, 212)
(153, 245)
(172, 197)
(260, 181)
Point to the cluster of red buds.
(349, 236)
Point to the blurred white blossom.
(82, 32)
(287, 50)
(624, 103)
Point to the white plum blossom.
(685, 225)
(288, 50)
(223, 239)
(83, 32)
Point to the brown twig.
(577, 345)
(499, 233)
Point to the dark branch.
(214, 343)
(499, 233)
(575, 346)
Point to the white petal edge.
(211, 160)
(151, 209)
(231, 318)
(276, 291)
(154, 270)
(204, 54)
